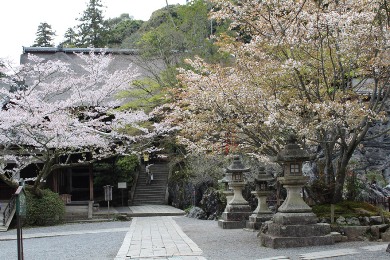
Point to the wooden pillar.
(91, 182)
(55, 182)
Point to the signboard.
(107, 192)
(122, 185)
(21, 202)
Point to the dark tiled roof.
(78, 50)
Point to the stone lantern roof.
(263, 176)
(237, 166)
(226, 179)
(292, 152)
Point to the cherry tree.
(52, 113)
(316, 68)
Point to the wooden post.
(332, 213)
(91, 183)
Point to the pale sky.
(19, 19)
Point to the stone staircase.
(4, 226)
(155, 193)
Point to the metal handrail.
(9, 209)
(134, 185)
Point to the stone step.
(154, 193)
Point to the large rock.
(353, 221)
(386, 236)
(376, 220)
(355, 233)
(341, 221)
(198, 213)
(376, 230)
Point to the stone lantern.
(227, 191)
(294, 224)
(262, 213)
(237, 210)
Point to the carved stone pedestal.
(237, 210)
(262, 213)
(295, 225)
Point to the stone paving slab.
(157, 238)
(154, 210)
(329, 254)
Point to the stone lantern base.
(235, 216)
(262, 213)
(285, 236)
(295, 224)
(255, 221)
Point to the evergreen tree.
(44, 35)
(92, 29)
(70, 38)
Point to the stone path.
(157, 238)
(155, 210)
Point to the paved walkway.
(142, 211)
(157, 238)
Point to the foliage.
(46, 210)
(92, 30)
(346, 209)
(70, 38)
(353, 186)
(120, 169)
(44, 35)
(377, 178)
(120, 28)
(57, 114)
(303, 66)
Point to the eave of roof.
(78, 50)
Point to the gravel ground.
(216, 243)
(99, 246)
(237, 244)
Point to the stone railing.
(9, 209)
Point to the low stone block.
(224, 224)
(314, 230)
(386, 236)
(376, 230)
(287, 242)
(235, 216)
(338, 237)
(308, 218)
(388, 248)
(355, 233)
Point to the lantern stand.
(262, 213)
(295, 224)
(228, 192)
(237, 211)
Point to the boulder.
(376, 230)
(376, 220)
(341, 221)
(353, 221)
(197, 212)
(355, 233)
(388, 248)
(385, 236)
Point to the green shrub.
(46, 210)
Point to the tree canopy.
(319, 69)
(91, 30)
(55, 115)
(44, 35)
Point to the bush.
(46, 210)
